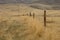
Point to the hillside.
(31, 1)
(39, 4)
(16, 25)
(45, 7)
(49, 2)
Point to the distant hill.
(31, 1)
(48, 1)
(40, 4)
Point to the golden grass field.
(13, 26)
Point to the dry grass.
(14, 27)
(20, 28)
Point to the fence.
(44, 16)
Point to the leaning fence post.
(45, 18)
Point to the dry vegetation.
(14, 27)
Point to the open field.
(15, 24)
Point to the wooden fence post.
(30, 14)
(33, 15)
(45, 18)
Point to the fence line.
(33, 15)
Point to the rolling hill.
(31, 1)
(39, 4)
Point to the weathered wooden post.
(33, 15)
(30, 14)
(45, 18)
